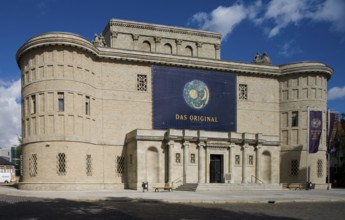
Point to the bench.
(169, 188)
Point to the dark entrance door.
(216, 168)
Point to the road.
(15, 207)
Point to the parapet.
(153, 38)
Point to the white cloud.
(332, 11)
(221, 19)
(289, 49)
(10, 113)
(336, 93)
(273, 16)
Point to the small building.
(152, 103)
(7, 171)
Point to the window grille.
(243, 92)
(237, 159)
(319, 168)
(141, 83)
(61, 164)
(33, 165)
(88, 165)
(120, 165)
(178, 158)
(294, 168)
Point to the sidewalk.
(280, 196)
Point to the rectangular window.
(120, 165)
(237, 160)
(242, 92)
(33, 104)
(130, 159)
(178, 158)
(61, 164)
(61, 102)
(294, 119)
(87, 105)
(141, 83)
(33, 165)
(88, 165)
(294, 168)
(251, 160)
(319, 168)
(192, 158)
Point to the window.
(88, 165)
(294, 168)
(319, 168)
(251, 160)
(130, 159)
(178, 158)
(141, 83)
(294, 119)
(242, 92)
(192, 158)
(61, 102)
(33, 165)
(61, 164)
(87, 105)
(120, 165)
(33, 104)
(237, 160)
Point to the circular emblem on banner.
(315, 123)
(196, 94)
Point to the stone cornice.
(72, 40)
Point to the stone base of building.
(63, 186)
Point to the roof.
(3, 161)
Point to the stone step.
(237, 187)
(191, 187)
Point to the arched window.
(167, 48)
(146, 46)
(189, 51)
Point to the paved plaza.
(264, 196)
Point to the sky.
(288, 30)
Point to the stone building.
(145, 102)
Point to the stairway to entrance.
(193, 187)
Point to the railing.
(255, 178)
(177, 180)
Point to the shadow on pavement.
(12, 207)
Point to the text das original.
(196, 118)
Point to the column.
(231, 164)
(185, 160)
(257, 164)
(113, 35)
(170, 160)
(157, 46)
(198, 47)
(217, 51)
(178, 46)
(244, 164)
(135, 41)
(201, 163)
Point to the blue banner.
(193, 99)
(315, 130)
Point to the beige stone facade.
(88, 113)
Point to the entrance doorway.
(216, 168)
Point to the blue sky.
(288, 30)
